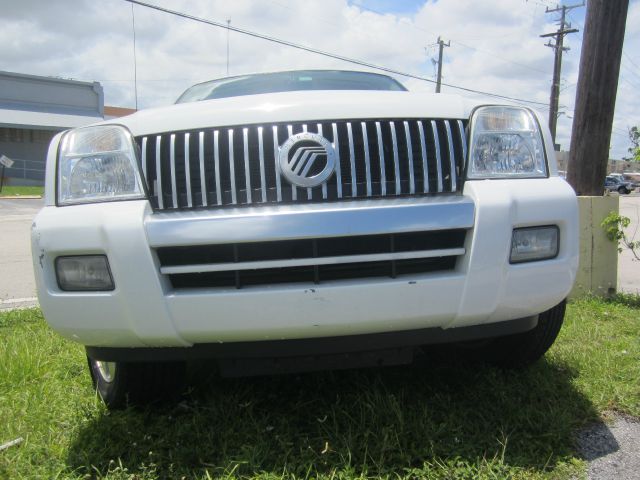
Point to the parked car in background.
(615, 183)
(633, 177)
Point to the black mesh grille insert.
(311, 248)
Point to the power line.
(621, 130)
(634, 85)
(228, 23)
(292, 9)
(487, 52)
(626, 135)
(546, 5)
(631, 61)
(324, 53)
(630, 70)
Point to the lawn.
(21, 191)
(437, 419)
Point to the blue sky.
(400, 7)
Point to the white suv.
(305, 219)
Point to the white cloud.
(495, 46)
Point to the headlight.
(98, 164)
(505, 143)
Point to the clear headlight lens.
(505, 143)
(98, 164)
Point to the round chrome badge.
(307, 159)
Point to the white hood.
(296, 107)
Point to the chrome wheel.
(107, 370)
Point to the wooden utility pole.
(557, 64)
(441, 46)
(596, 95)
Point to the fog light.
(84, 272)
(534, 243)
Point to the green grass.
(20, 191)
(439, 419)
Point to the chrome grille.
(235, 166)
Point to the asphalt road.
(628, 266)
(611, 448)
(17, 285)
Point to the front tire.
(623, 191)
(120, 384)
(523, 349)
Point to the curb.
(18, 303)
(24, 197)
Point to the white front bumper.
(144, 310)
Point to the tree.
(634, 150)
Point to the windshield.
(289, 82)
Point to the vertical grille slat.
(294, 190)
(216, 159)
(263, 181)
(159, 172)
(452, 160)
(367, 160)
(144, 160)
(236, 166)
(463, 140)
(203, 177)
(423, 150)
(172, 159)
(232, 168)
(247, 172)
(324, 185)
(276, 151)
(352, 162)
(412, 179)
(336, 147)
(187, 170)
(396, 162)
(309, 190)
(383, 177)
(436, 140)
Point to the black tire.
(122, 384)
(623, 191)
(523, 349)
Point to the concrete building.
(613, 166)
(115, 112)
(32, 110)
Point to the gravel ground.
(612, 450)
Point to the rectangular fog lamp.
(84, 273)
(534, 243)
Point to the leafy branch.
(634, 150)
(614, 225)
